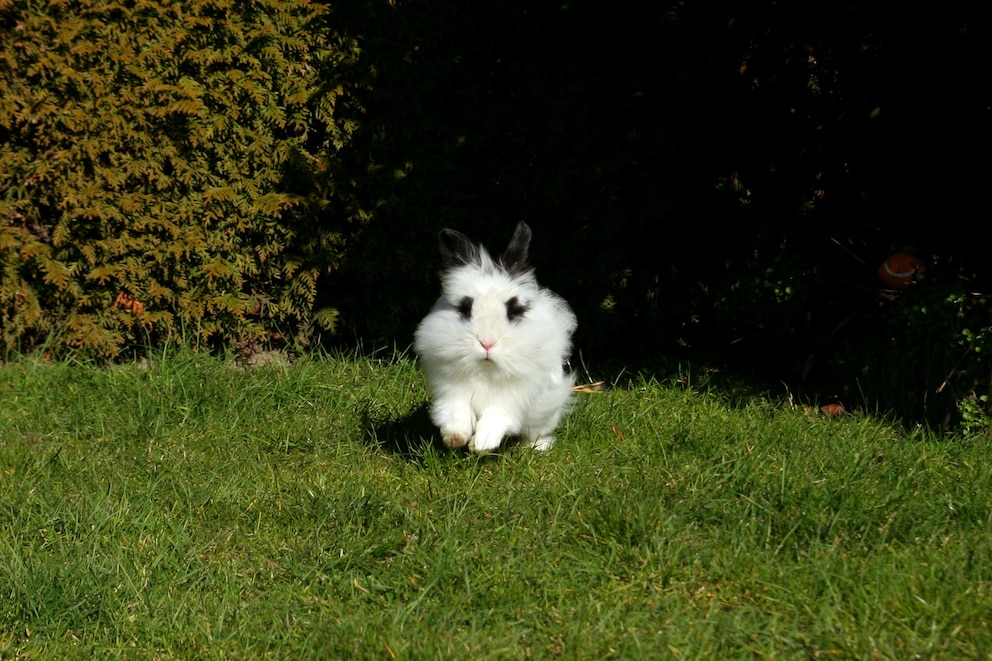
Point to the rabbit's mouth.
(489, 361)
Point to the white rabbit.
(493, 348)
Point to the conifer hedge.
(166, 170)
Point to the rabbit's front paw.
(455, 438)
(489, 433)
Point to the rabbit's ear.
(514, 259)
(457, 249)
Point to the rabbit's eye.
(465, 308)
(515, 309)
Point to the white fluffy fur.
(517, 387)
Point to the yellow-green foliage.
(160, 170)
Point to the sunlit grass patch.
(187, 508)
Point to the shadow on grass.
(409, 435)
(413, 436)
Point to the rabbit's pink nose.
(487, 344)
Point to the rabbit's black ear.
(514, 259)
(457, 249)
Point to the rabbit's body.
(493, 348)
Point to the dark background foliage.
(710, 181)
(707, 182)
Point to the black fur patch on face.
(515, 309)
(465, 308)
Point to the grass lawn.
(189, 509)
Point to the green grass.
(189, 509)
